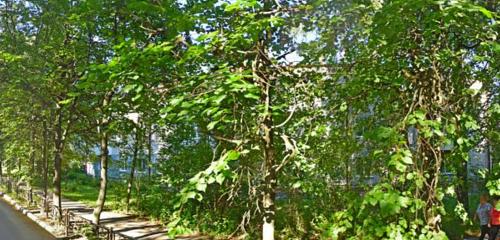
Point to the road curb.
(30, 215)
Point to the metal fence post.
(30, 196)
(9, 186)
(66, 222)
(111, 234)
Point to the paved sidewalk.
(121, 226)
(476, 238)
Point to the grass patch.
(77, 186)
(452, 224)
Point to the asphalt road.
(15, 226)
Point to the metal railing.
(71, 221)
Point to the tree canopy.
(263, 119)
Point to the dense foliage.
(257, 118)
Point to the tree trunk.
(265, 81)
(58, 151)
(56, 183)
(270, 174)
(103, 130)
(348, 174)
(104, 177)
(45, 159)
(150, 150)
(8, 167)
(132, 168)
(33, 174)
(1, 161)
(269, 185)
(463, 186)
(32, 152)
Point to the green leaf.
(486, 12)
(199, 197)
(410, 176)
(74, 94)
(419, 114)
(66, 101)
(252, 96)
(176, 101)
(139, 88)
(190, 195)
(232, 155)
(407, 160)
(219, 99)
(210, 179)
(202, 187)
(220, 179)
(136, 97)
(211, 125)
(438, 132)
(450, 128)
(343, 107)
